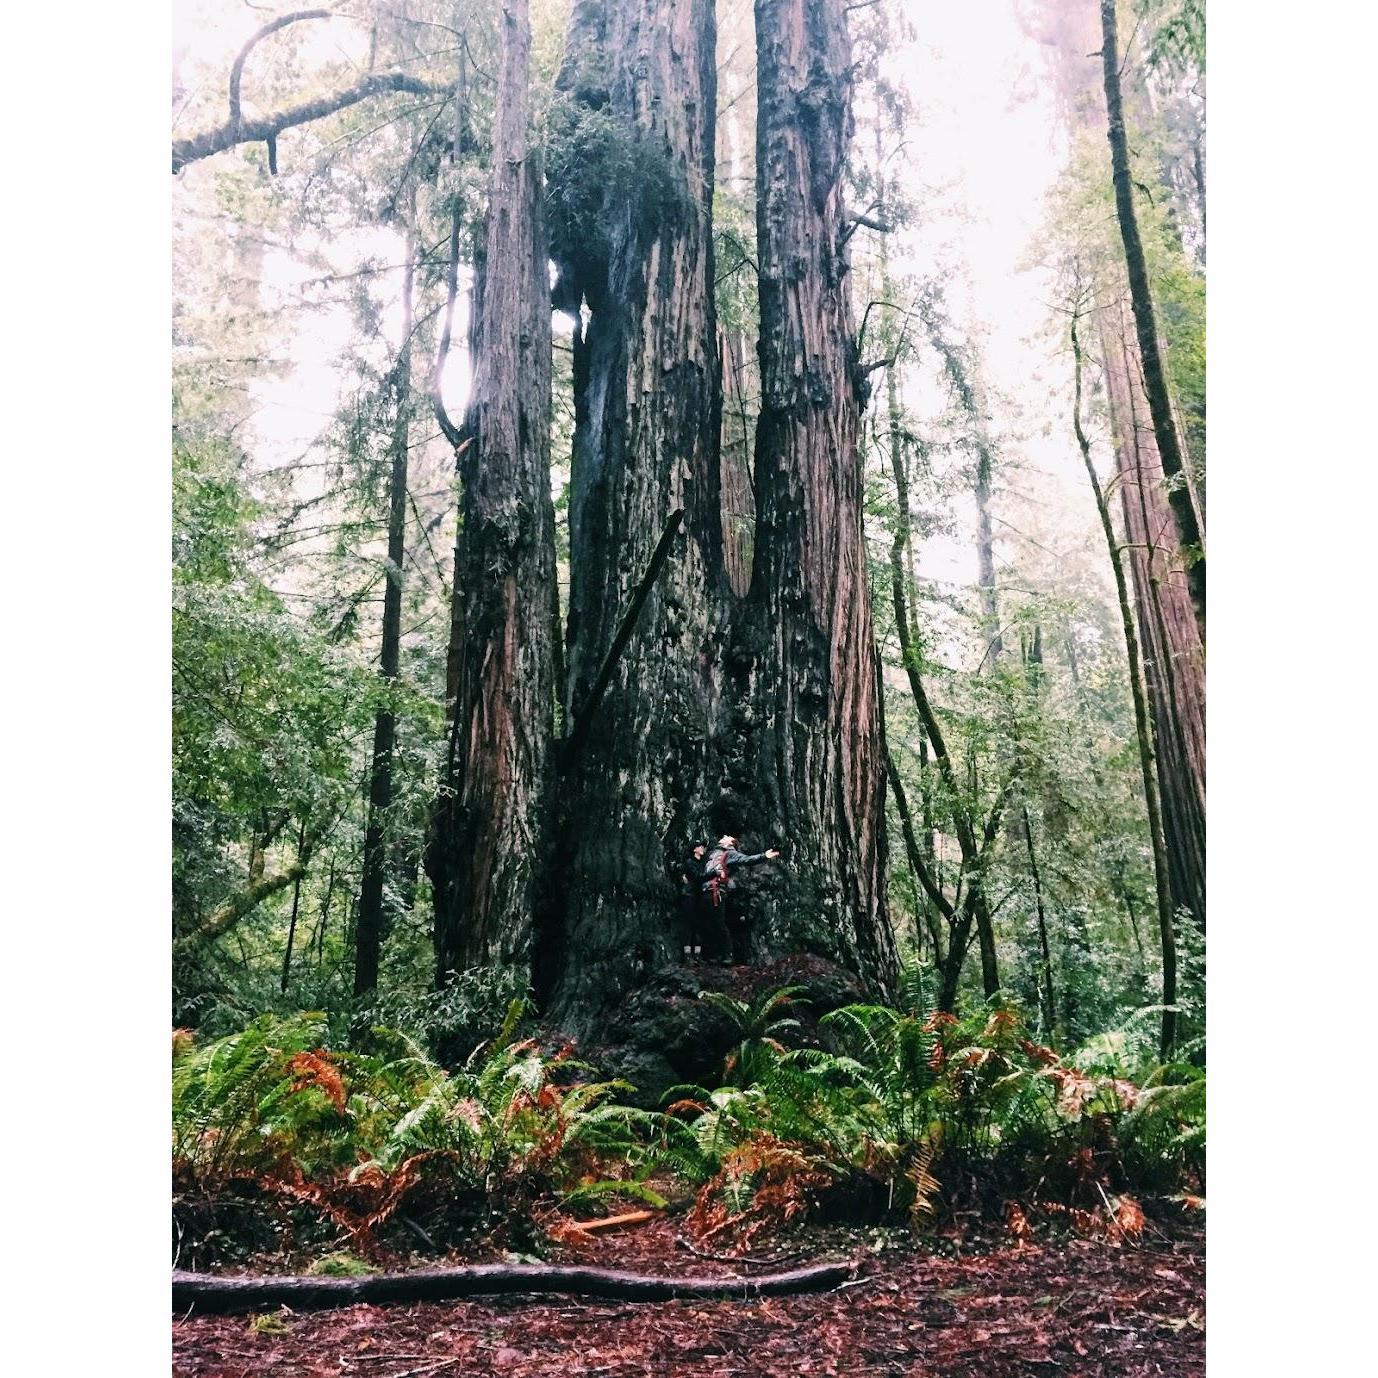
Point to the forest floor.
(1072, 1307)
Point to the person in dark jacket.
(692, 904)
(719, 885)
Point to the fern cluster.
(905, 1112)
(354, 1135)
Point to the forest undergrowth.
(295, 1145)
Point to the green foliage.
(452, 1022)
(340, 1264)
(757, 1025)
(918, 1108)
(357, 1134)
(594, 159)
(1177, 37)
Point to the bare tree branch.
(237, 70)
(231, 133)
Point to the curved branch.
(237, 70)
(230, 913)
(214, 1294)
(229, 134)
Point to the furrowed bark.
(488, 837)
(1173, 649)
(738, 502)
(1173, 662)
(1154, 376)
(638, 258)
(1142, 724)
(808, 766)
(372, 918)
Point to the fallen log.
(613, 1222)
(213, 1294)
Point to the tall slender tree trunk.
(647, 377)
(1142, 723)
(738, 428)
(808, 769)
(1045, 952)
(1154, 374)
(372, 916)
(296, 908)
(488, 838)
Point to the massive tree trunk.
(1173, 662)
(637, 252)
(372, 918)
(807, 768)
(1154, 376)
(1143, 727)
(1173, 651)
(488, 835)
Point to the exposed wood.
(613, 1222)
(208, 1294)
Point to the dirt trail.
(1075, 1308)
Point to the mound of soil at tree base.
(1075, 1307)
(664, 1035)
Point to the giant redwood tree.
(1151, 497)
(488, 833)
(807, 748)
(1153, 374)
(631, 187)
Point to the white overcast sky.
(986, 133)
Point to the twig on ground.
(683, 1243)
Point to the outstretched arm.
(735, 858)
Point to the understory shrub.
(280, 1140)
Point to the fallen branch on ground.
(612, 1222)
(213, 1294)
